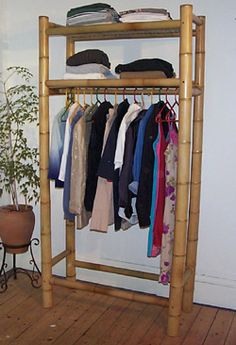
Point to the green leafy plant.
(18, 112)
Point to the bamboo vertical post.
(70, 225)
(196, 167)
(45, 204)
(183, 172)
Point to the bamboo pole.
(59, 257)
(117, 270)
(70, 225)
(110, 291)
(185, 103)
(148, 91)
(45, 203)
(196, 168)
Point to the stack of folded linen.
(146, 68)
(92, 14)
(88, 64)
(144, 15)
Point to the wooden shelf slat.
(168, 28)
(119, 86)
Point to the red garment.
(160, 204)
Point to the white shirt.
(131, 114)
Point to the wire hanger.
(124, 96)
(171, 115)
(135, 100)
(97, 99)
(69, 101)
(105, 94)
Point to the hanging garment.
(94, 152)
(56, 145)
(84, 216)
(72, 111)
(106, 165)
(158, 195)
(127, 199)
(79, 162)
(138, 150)
(102, 214)
(154, 196)
(131, 114)
(66, 194)
(144, 195)
(171, 159)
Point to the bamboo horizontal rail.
(139, 85)
(110, 83)
(61, 90)
(59, 257)
(110, 291)
(197, 20)
(117, 270)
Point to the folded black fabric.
(147, 65)
(88, 8)
(89, 56)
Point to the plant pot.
(16, 227)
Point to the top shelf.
(167, 28)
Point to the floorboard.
(86, 318)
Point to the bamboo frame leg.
(196, 170)
(45, 204)
(179, 252)
(70, 226)
(70, 245)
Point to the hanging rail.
(58, 87)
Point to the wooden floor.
(85, 318)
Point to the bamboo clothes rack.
(189, 29)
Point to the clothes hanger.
(115, 94)
(97, 99)
(105, 94)
(68, 104)
(171, 115)
(135, 99)
(77, 103)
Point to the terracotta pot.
(16, 227)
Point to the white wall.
(216, 274)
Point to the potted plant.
(18, 160)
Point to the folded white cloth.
(143, 17)
(88, 76)
(88, 68)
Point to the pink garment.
(160, 203)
